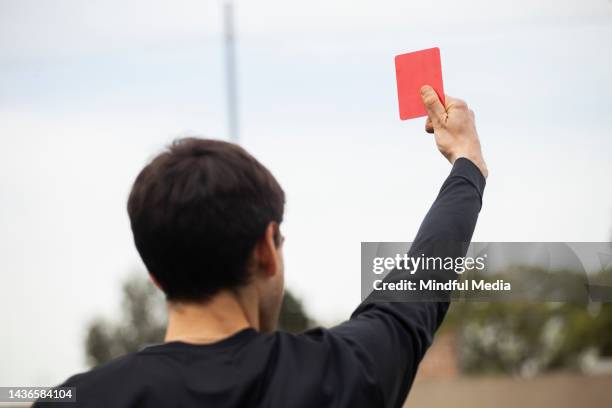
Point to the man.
(206, 221)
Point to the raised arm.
(390, 338)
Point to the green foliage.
(293, 318)
(527, 338)
(142, 322)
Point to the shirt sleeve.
(390, 338)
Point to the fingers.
(429, 128)
(435, 109)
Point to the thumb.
(435, 109)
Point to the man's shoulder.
(93, 387)
(116, 370)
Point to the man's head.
(205, 216)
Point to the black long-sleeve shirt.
(367, 361)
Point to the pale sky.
(89, 92)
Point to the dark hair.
(197, 211)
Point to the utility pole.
(230, 72)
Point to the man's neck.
(211, 321)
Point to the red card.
(413, 70)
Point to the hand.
(454, 128)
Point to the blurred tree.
(293, 317)
(143, 321)
(527, 338)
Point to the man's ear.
(266, 251)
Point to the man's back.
(246, 369)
